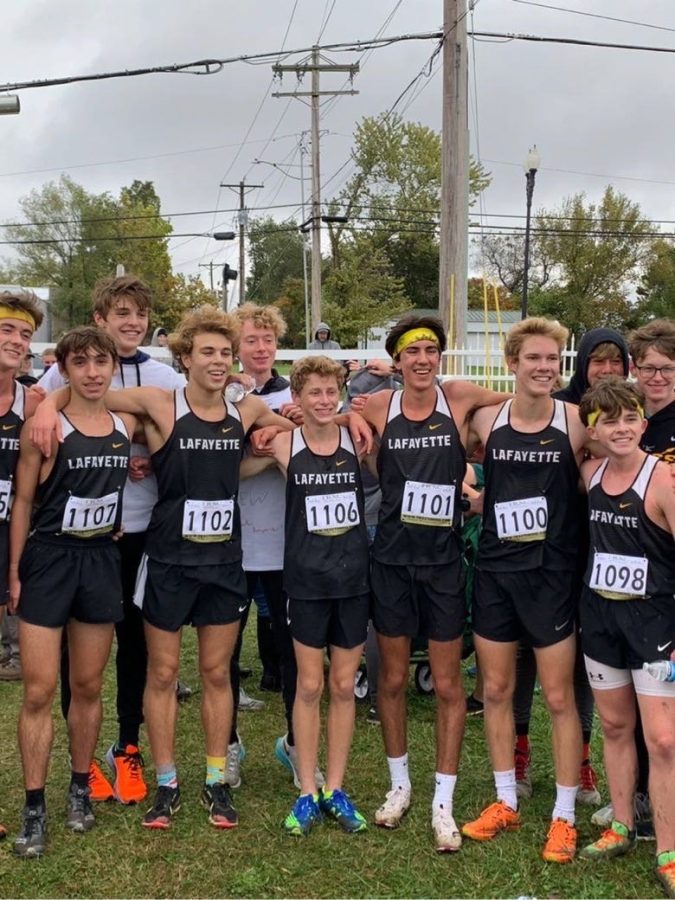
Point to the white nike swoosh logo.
(242, 608)
(662, 648)
(560, 627)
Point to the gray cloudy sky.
(605, 113)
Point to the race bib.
(87, 517)
(522, 520)
(332, 514)
(208, 521)
(5, 499)
(428, 504)
(618, 577)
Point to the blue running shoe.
(338, 806)
(304, 814)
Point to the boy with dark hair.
(121, 309)
(628, 615)
(326, 580)
(66, 574)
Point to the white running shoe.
(248, 703)
(235, 754)
(446, 833)
(288, 757)
(603, 817)
(395, 806)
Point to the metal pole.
(529, 190)
(242, 243)
(303, 150)
(316, 195)
(224, 295)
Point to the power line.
(579, 42)
(590, 15)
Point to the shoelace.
(567, 835)
(32, 823)
(134, 763)
(220, 795)
(341, 803)
(304, 807)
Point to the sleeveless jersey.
(195, 521)
(326, 552)
(530, 510)
(81, 498)
(421, 467)
(10, 431)
(659, 436)
(631, 556)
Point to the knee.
(342, 687)
(448, 690)
(661, 746)
(497, 690)
(162, 676)
(309, 688)
(392, 680)
(560, 700)
(38, 695)
(216, 677)
(85, 690)
(615, 728)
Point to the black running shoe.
(474, 707)
(79, 813)
(167, 803)
(218, 800)
(32, 839)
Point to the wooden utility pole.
(242, 188)
(454, 236)
(315, 66)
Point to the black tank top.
(659, 436)
(631, 556)
(421, 467)
(531, 496)
(195, 521)
(326, 550)
(82, 495)
(10, 431)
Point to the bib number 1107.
(89, 516)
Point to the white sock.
(505, 784)
(565, 798)
(398, 771)
(445, 789)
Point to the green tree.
(74, 238)
(275, 250)
(361, 293)
(657, 290)
(393, 198)
(291, 305)
(179, 294)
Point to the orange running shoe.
(127, 764)
(99, 786)
(561, 842)
(494, 818)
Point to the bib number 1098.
(331, 514)
(617, 577)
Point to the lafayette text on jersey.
(326, 552)
(196, 519)
(421, 467)
(531, 496)
(630, 556)
(10, 431)
(82, 495)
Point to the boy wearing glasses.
(652, 350)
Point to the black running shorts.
(335, 622)
(537, 606)
(62, 582)
(624, 634)
(419, 601)
(194, 595)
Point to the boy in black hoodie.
(601, 352)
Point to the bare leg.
(445, 658)
(341, 711)
(307, 713)
(391, 688)
(159, 701)
(89, 647)
(658, 721)
(216, 645)
(40, 655)
(616, 709)
(555, 666)
(498, 664)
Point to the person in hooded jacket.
(322, 339)
(601, 352)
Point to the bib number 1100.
(522, 520)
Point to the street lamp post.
(532, 163)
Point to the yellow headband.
(413, 335)
(8, 312)
(595, 415)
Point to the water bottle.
(662, 669)
(235, 392)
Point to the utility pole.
(242, 188)
(209, 266)
(454, 234)
(315, 66)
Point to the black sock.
(79, 779)
(522, 729)
(128, 735)
(35, 798)
(290, 739)
(586, 737)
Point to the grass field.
(120, 859)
